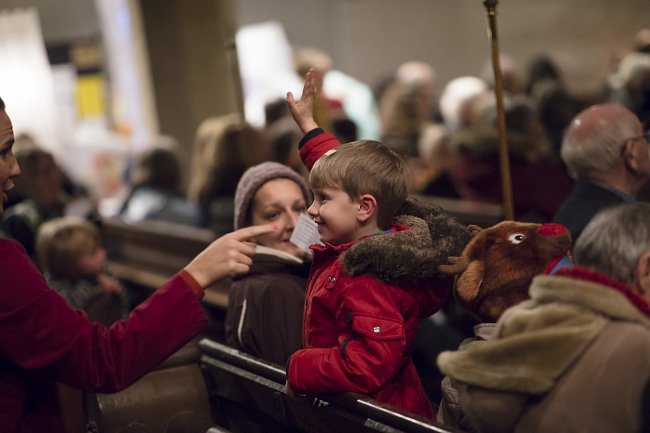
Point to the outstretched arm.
(41, 330)
(302, 111)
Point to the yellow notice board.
(90, 95)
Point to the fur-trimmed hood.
(411, 256)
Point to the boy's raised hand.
(303, 110)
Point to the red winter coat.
(364, 301)
(43, 340)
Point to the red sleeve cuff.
(317, 147)
(194, 285)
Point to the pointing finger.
(249, 233)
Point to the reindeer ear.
(469, 282)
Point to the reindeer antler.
(474, 229)
(457, 264)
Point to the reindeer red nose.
(551, 229)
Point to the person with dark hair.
(541, 69)
(226, 146)
(156, 190)
(43, 197)
(345, 129)
(44, 341)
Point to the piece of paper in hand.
(305, 233)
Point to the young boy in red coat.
(372, 280)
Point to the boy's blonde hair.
(365, 167)
(60, 244)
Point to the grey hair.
(599, 150)
(614, 240)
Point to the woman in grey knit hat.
(265, 306)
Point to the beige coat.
(575, 358)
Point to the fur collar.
(409, 256)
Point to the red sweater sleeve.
(315, 144)
(39, 329)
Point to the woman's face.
(8, 165)
(279, 201)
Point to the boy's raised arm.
(302, 111)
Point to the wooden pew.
(171, 399)
(146, 254)
(248, 395)
(467, 212)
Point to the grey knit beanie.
(254, 178)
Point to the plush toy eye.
(516, 238)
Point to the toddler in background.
(375, 276)
(73, 260)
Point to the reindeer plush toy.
(499, 263)
(493, 273)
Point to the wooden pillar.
(187, 50)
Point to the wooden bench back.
(467, 212)
(248, 394)
(148, 253)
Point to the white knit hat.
(254, 178)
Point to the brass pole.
(504, 159)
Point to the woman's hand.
(228, 256)
(303, 110)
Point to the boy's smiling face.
(336, 215)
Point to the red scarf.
(596, 277)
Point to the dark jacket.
(22, 221)
(265, 306)
(584, 202)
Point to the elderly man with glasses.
(607, 152)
